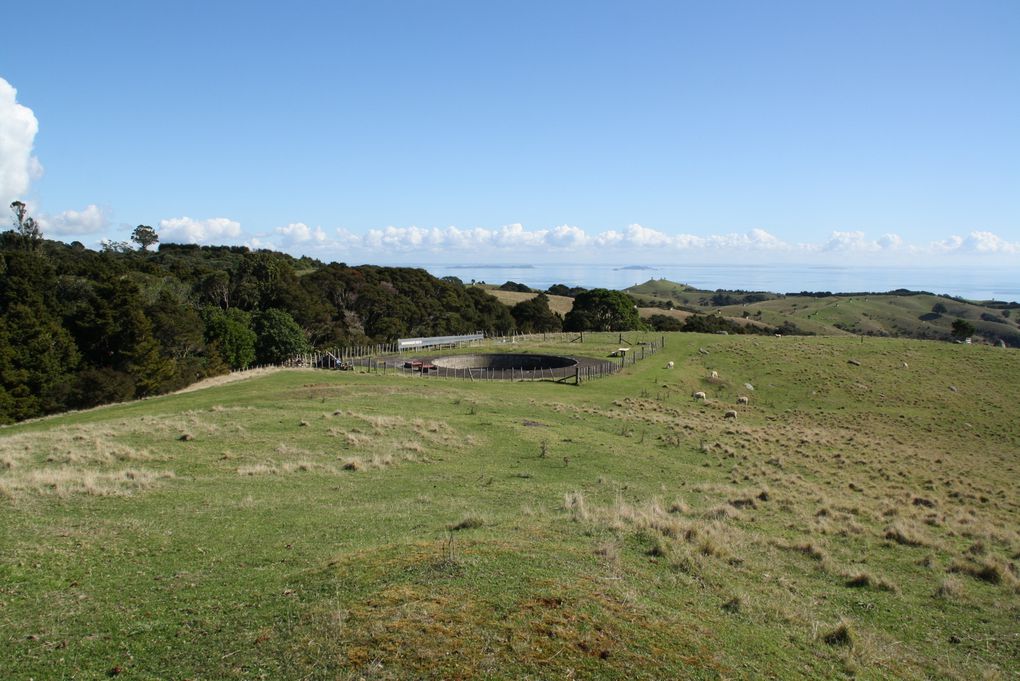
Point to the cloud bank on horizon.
(19, 167)
(396, 243)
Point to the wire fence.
(386, 358)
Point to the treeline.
(80, 327)
(713, 323)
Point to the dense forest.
(80, 327)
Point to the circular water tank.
(497, 362)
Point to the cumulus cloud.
(89, 220)
(189, 231)
(851, 242)
(300, 233)
(642, 237)
(18, 127)
(516, 242)
(890, 242)
(561, 238)
(978, 242)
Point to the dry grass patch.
(905, 535)
(73, 460)
(64, 482)
(671, 536)
(808, 549)
(258, 469)
(866, 580)
(950, 589)
(987, 570)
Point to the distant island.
(634, 267)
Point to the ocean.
(973, 283)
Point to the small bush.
(841, 635)
(949, 588)
(734, 605)
(904, 536)
(987, 570)
(469, 523)
(863, 580)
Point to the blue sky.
(656, 132)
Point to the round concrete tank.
(505, 361)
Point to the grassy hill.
(883, 315)
(854, 519)
(897, 314)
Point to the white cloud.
(849, 241)
(257, 243)
(186, 230)
(857, 242)
(299, 233)
(18, 127)
(89, 220)
(514, 242)
(890, 242)
(978, 242)
(643, 237)
(515, 237)
(986, 242)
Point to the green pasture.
(857, 518)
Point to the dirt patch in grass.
(415, 620)
(232, 377)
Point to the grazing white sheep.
(730, 414)
(715, 374)
(669, 365)
(743, 399)
(700, 396)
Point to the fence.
(385, 358)
(331, 358)
(438, 341)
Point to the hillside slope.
(901, 314)
(854, 519)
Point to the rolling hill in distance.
(904, 314)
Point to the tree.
(603, 310)
(144, 236)
(962, 329)
(229, 331)
(514, 286)
(111, 246)
(534, 316)
(25, 226)
(662, 322)
(564, 290)
(279, 337)
(939, 308)
(146, 364)
(37, 359)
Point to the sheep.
(715, 374)
(743, 399)
(730, 414)
(669, 365)
(700, 396)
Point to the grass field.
(895, 315)
(854, 520)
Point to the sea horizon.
(998, 283)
